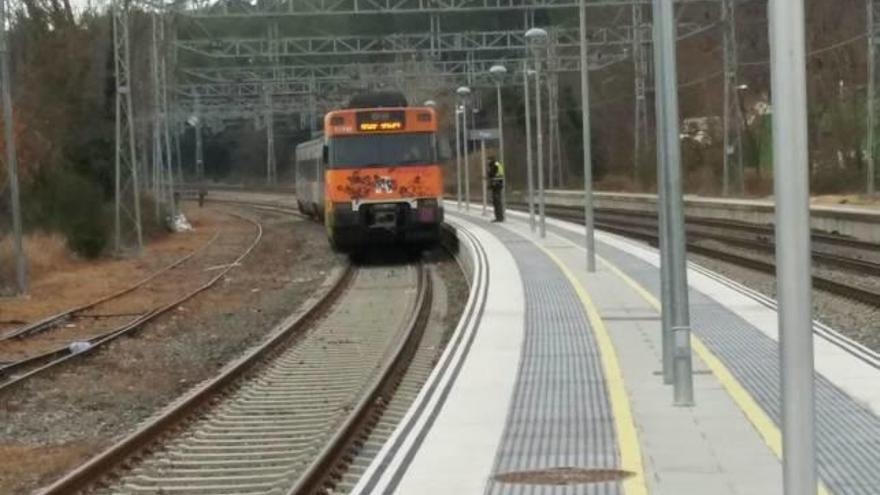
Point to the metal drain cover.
(562, 476)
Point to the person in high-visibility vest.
(495, 173)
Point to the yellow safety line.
(750, 407)
(627, 438)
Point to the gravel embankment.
(54, 422)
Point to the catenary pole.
(680, 315)
(11, 157)
(793, 263)
(663, 211)
(585, 137)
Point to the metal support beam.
(202, 9)
(127, 189)
(793, 263)
(668, 129)
(21, 279)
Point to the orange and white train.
(374, 176)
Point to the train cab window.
(382, 150)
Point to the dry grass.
(45, 253)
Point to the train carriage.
(374, 176)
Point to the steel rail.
(746, 227)
(763, 244)
(331, 459)
(50, 321)
(62, 355)
(102, 464)
(849, 291)
(223, 389)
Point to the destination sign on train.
(380, 121)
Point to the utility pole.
(125, 163)
(732, 110)
(791, 185)
(11, 156)
(668, 129)
(586, 138)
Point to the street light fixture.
(498, 73)
(537, 41)
(464, 94)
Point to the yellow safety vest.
(500, 168)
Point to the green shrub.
(63, 201)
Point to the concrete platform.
(557, 368)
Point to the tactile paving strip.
(560, 414)
(847, 433)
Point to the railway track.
(45, 344)
(284, 414)
(647, 232)
(759, 240)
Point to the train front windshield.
(382, 150)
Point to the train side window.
(325, 154)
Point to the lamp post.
(464, 94)
(458, 156)
(537, 41)
(498, 72)
(585, 136)
(527, 73)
